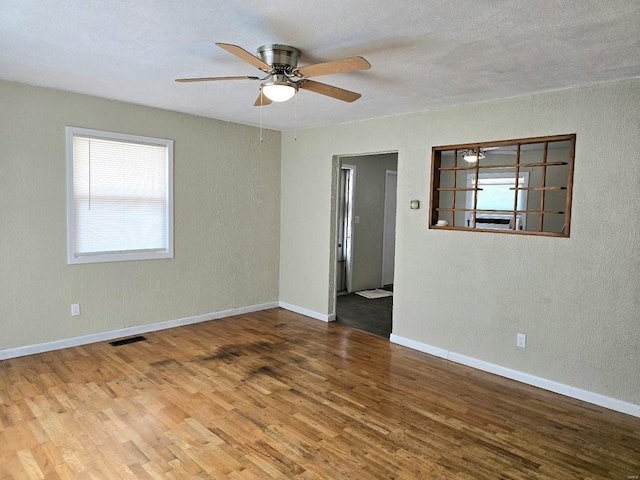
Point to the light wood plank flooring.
(275, 395)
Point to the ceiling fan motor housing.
(283, 58)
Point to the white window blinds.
(120, 200)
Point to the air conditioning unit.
(497, 221)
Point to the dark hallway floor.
(368, 315)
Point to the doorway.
(365, 241)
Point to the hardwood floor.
(275, 395)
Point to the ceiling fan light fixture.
(280, 89)
(472, 157)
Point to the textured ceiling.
(424, 54)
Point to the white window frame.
(116, 256)
(521, 218)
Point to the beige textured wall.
(227, 228)
(369, 207)
(577, 299)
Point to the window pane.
(121, 197)
(495, 196)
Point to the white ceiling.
(424, 54)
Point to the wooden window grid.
(447, 210)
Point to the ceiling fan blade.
(214, 79)
(242, 54)
(350, 64)
(262, 100)
(329, 90)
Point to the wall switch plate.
(75, 309)
(521, 340)
(356, 219)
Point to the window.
(494, 191)
(119, 197)
(518, 186)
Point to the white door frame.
(349, 198)
(388, 216)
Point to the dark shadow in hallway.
(364, 314)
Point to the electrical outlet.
(521, 340)
(75, 309)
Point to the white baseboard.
(567, 390)
(129, 331)
(309, 313)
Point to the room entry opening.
(364, 214)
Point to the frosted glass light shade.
(277, 92)
(472, 157)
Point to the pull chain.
(261, 139)
(295, 118)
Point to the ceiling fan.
(472, 156)
(284, 77)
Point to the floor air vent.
(126, 341)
